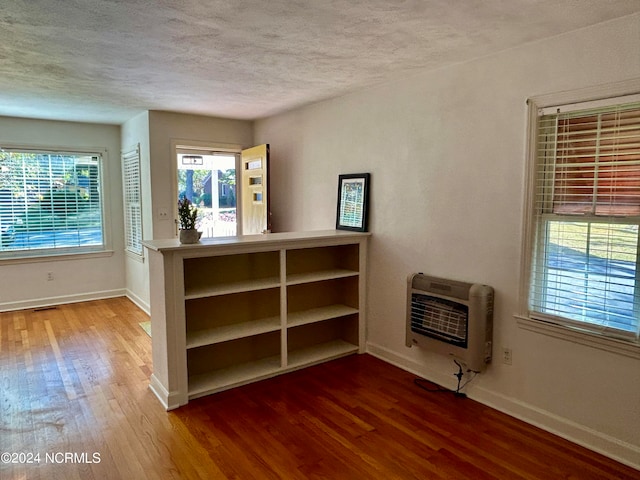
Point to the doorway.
(208, 179)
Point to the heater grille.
(451, 318)
(439, 318)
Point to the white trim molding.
(590, 339)
(140, 303)
(51, 301)
(602, 443)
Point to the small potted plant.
(188, 215)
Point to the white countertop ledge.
(161, 245)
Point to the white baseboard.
(604, 444)
(50, 301)
(144, 306)
(159, 391)
(168, 400)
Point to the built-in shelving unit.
(226, 312)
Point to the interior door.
(256, 210)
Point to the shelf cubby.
(225, 274)
(314, 342)
(318, 298)
(233, 376)
(321, 263)
(222, 365)
(221, 318)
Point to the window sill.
(612, 345)
(134, 256)
(55, 258)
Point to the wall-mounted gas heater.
(451, 318)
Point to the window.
(132, 201)
(584, 264)
(50, 202)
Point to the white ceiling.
(107, 60)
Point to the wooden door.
(256, 211)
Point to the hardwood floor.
(74, 399)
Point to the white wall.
(446, 150)
(25, 285)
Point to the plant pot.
(190, 236)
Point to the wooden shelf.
(321, 275)
(320, 353)
(249, 308)
(229, 288)
(295, 319)
(222, 379)
(224, 333)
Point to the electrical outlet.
(49, 276)
(507, 357)
(163, 213)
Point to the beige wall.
(25, 285)
(446, 151)
(166, 128)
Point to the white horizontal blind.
(587, 212)
(132, 201)
(50, 201)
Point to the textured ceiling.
(107, 60)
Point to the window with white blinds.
(50, 202)
(132, 201)
(585, 261)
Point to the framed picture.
(353, 200)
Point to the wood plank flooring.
(74, 392)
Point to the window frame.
(62, 253)
(593, 97)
